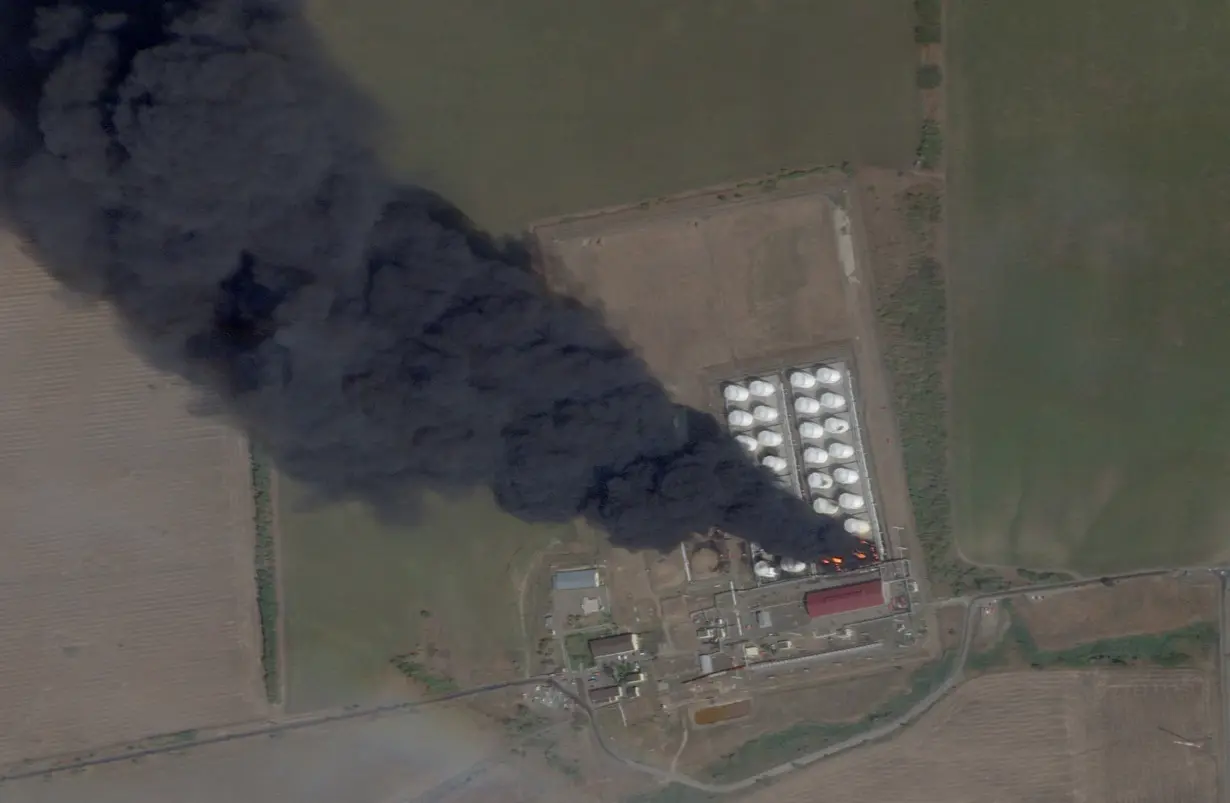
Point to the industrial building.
(576, 579)
(606, 695)
(616, 646)
(853, 597)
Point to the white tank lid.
(825, 507)
(774, 463)
(809, 429)
(740, 418)
(759, 387)
(769, 438)
(802, 379)
(836, 425)
(857, 526)
(815, 455)
(851, 502)
(841, 451)
(735, 393)
(828, 375)
(846, 476)
(832, 401)
(747, 442)
(766, 414)
(806, 405)
(819, 481)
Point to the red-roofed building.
(841, 599)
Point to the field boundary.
(265, 559)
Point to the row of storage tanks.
(830, 474)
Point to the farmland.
(519, 111)
(1088, 289)
(127, 579)
(441, 597)
(1013, 736)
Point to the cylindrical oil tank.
(857, 527)
(802, 380)
(832, 401)
(735, 393)
(815, 456)
(740, 418)
(809, 429)
(749, 443)
(765, 414)
(825, 507)
(841, 451)
(769, 438)
(774, 463)
(806, 405)
(846, 476)
(766, 570)
(828, 375)
(836, 426)
(761, 388)
(851, 502)
(792, 566)
(819, 481)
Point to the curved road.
(957, 674)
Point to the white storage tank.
(765, 414)
(815, 456)
(792, 566)
(857, 527)
(828, 375)
(774, 463)
(832, 401)
(846, 476)
(766, 570)
(841, 451)
(811, 430)
(851, 502)
(819, 481)
(735, 393)
(740, 418)
(769, 438)
(761, 388)
(802, 380)
(805, 405)
(747, 442)
(825, 507)
(836, 426)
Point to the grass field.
(1089, 295)
(363, 600)
(520, 111)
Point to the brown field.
(722, 713)
(1129, 607)
(714, 285)
(1056, 736)
(126, 582)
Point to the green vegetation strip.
(1173, 648)
(266, 572)
(435, 684)
(770, 750)
(928, 22)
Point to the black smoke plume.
(201, 167)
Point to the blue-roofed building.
(574, 579)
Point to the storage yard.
(127, 545)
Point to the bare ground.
(127, 582)
(1062, 736)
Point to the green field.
(356, 592)
(522, 110)
(1089, 294)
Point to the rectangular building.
(573, 579)
(853, 597)
(614, 646)
(605, 695)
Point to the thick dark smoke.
(200, 166)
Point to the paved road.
(955, 677)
